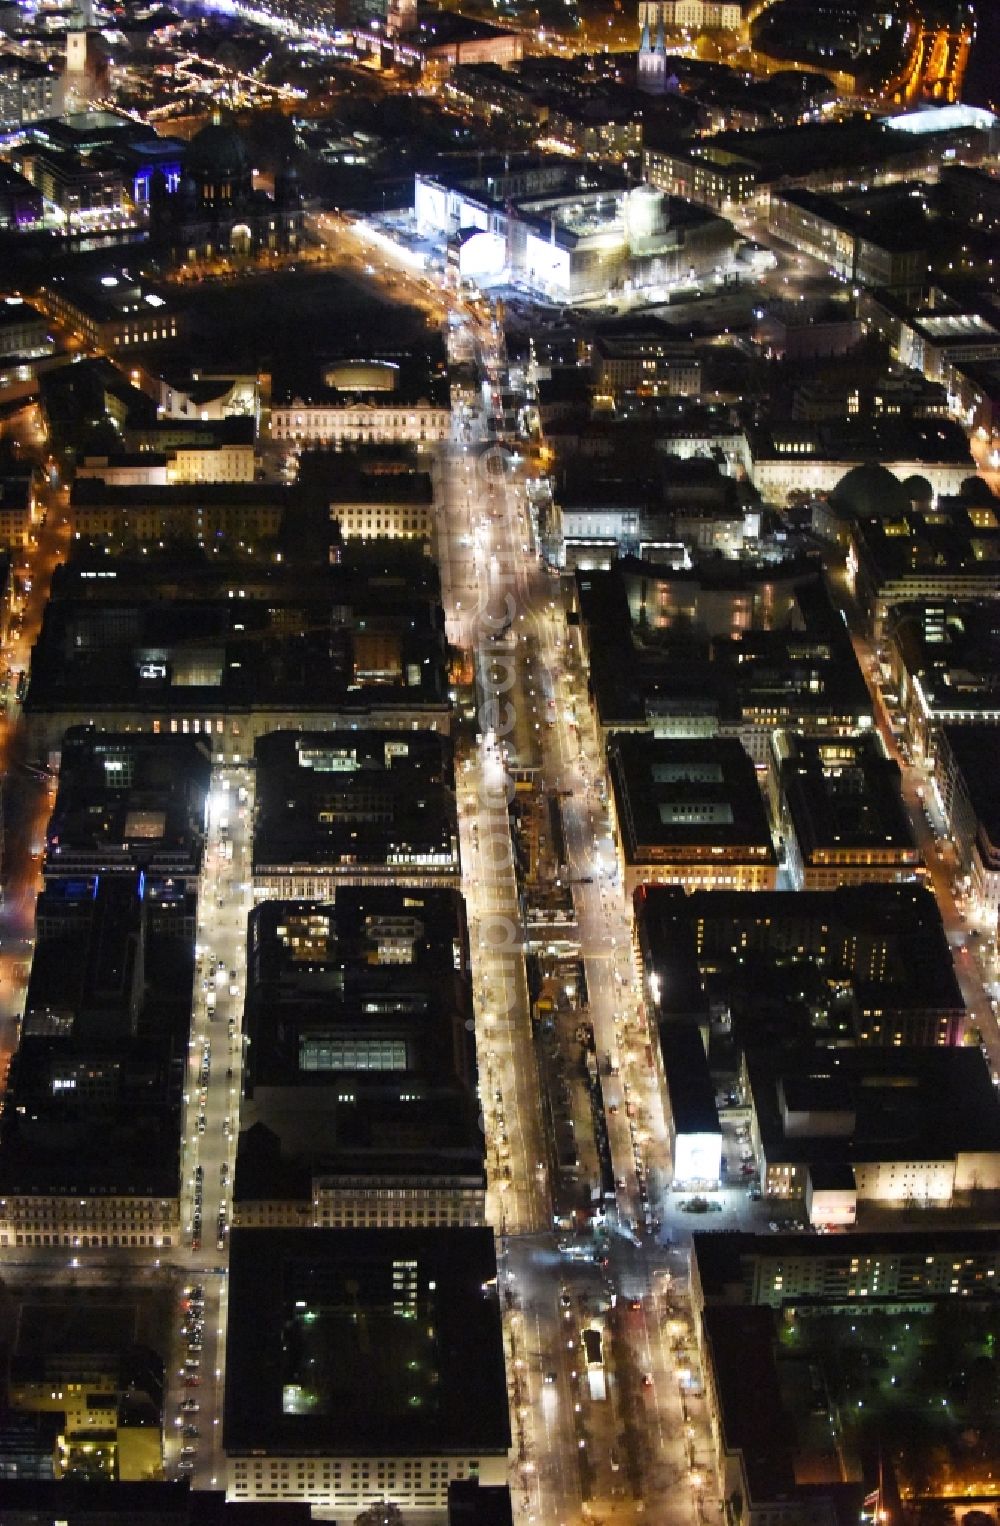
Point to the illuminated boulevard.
(644, 1450)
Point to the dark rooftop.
(89, 492)
(787, 654)
(740, 1347)
(784, 152)
(689, 1082)
(913, 1104)
(396, 487)
(843, 792)
(976, 751)
(677, 796)
(49, 1332)
(885, 942)
(194, 634)
(445, 28)
(866, 439)
(376, 799)
(471, 1503)
(129, 800)
(94, 1097)
(345, 1342)
(368, 995)
(96, 1502)
(403, 377)
(954, 650)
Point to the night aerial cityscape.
(499, 762)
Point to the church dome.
(218, 153)
(870, 490)
(919, 490)
(287, 187)
(977, 492)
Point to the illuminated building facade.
(691, 15)
(356, 807)
(839, 805)
(688, 812)
(360, 1106)
(878, 1270)
(425, 1307)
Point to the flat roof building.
(840, 808)
(178, 643)
(128, 801)
(966, 769)
(690, 1110)
(896, 1128)
(864, 964)
(107, 303)
(353, 807)
(24, 331)
(675, 510)
(734, 167)
(203, 459)
(723, 649)
(873, 238)
(360, 1106)
(90, 1140)
(814, 1362)
(363, 1365)
(83, 1502)
(886, 1268)
(896, 559)
(84, 1362)
(474, 1504)
(688, 812)
(976, 383)
(18, 509)
(765, 1454)
(944, 661)
(139, 514)
(384, 505)
(649, 364)
(936, 334)
(813, 456)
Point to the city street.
(576, 1457)
(211, 1125)
(632, 1439)
(27, 794)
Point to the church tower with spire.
(78, 79)
(651, 74)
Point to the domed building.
(870, 491)
(975, 492)
(219, 165)
(867, 491)
(919, 491)
(216, 213)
